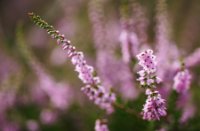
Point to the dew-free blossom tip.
(147, 60)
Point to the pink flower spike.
(154, 107)
(147, 61)
(182, 81)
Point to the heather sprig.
(154, 108)
(92, 88)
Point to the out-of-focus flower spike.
(193, 59)
(188, 112)
(129, 48)
(128, 37)
(95, 8)
(101, 125)
(140, 22)
(106, 62)
(129, 45)
(162, 27)
(163, 39)
(182, 81)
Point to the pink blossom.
(101, 125)
(182, 81)
(147, 75)
(154, 107)
(147, 61)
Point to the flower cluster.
(147, 61)
(85, 71)
(182, 81)
(93, 88)
(154, 107)
(147, 74)
(101, 125)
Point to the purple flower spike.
(129, 45)
(93, 88)
(147, 74)
(154, 107)
(182, 81)
(147, 61)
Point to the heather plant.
(117, 66)
(154, 107)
